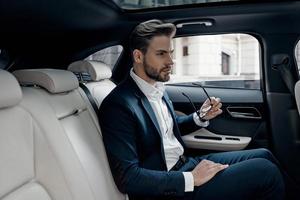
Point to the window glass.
(228, 60)
(5, 59)
(142, 4)
(108, 55)
(297, 55)
(1, 66)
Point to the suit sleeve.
(186, 124)
(118, 125)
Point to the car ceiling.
(53, 33)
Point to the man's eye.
(160, 54)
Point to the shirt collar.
(155, 91)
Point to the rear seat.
(50, 142)
(22, 149)
(297, 95)
(96, 76)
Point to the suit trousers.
(252, 174)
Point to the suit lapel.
(145, 103)
(150, 112)
(175, 127)
(168, 103)
(147, 107)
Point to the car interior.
(60, 59)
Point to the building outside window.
(225, 59)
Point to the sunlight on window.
(139, 4)
(109, 55)
(217, 58)
(297, 55)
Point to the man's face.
(157, 61)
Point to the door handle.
(206, 23)
(244, 112)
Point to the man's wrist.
(199, 122)
(188, 181)
(202, 119)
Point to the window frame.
(258, 38)
(112, 67)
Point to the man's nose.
(170, 60)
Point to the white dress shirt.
(172, 148)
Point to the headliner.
(53, 33)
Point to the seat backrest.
(70, 127)
(297, 95)
(28, 168)
(98, 81)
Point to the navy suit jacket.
(133, 143)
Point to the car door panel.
(241, 123)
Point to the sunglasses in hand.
(203, 112)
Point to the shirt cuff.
(199, 122)
(188, 181)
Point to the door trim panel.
(212, 141)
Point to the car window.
(227, 60)
(297, 55)
(1, 66)
(142, 4)
(108, 55)
(5, 59)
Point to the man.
(142, 136)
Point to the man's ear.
(138, 56)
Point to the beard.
(156, 74)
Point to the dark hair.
(144, 32)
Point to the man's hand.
(211, 109)
(205, 171)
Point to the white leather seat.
(297, 95)
(50, 142)
(28, 168)
(100, 84)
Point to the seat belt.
(285, 71)
(89, 96)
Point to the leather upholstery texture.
(100, 73)
(54, 81)
(51, 145)
(97, 70)
(297, 95)
(10, 91)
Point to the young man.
(142, 136)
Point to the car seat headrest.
(53, 80)
(11, 93)
(97, 70)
